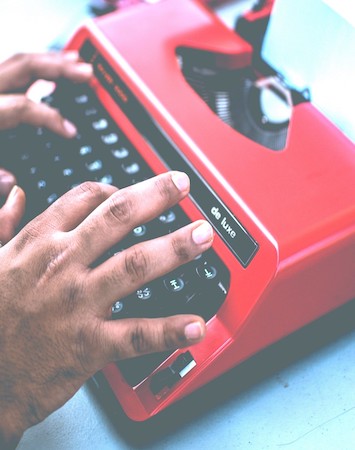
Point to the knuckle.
(136, 264)
(35, 411)
(168, 340)
(181, 249)
(13, 108)
(91, 189)
(87, 345)
(20, 57)
(7, 230)
(32, 230)
(147, 337)
(139, 342)
(20, 105)
(164, 188)
(73, 292)
(52, 113)
(23, 239)
(120, 208)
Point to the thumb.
(7, 181)
(11, 213)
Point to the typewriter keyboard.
(47, 166)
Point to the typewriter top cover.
(278, 189)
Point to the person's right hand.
(55, 305)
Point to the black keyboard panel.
(47, 166)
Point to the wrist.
(9, 443)
(10, 432)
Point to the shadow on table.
(293, 348)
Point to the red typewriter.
(175, 88)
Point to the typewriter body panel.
(297, 205)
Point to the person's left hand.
(12, 211)
(16, 75)
(20, 71)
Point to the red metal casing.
(298, 203)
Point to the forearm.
(10, 432)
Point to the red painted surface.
(298, 203)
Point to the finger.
(16, 109)
(73, 207)
(126, 209)
(128, 270)
(7, 182)
(21, 70)
(11, 213)
(134, 337)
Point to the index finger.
(125, 210)
(72, 207)
(21, 70)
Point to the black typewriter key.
(57, 162)
(85, 150)
(131, 306)
(25, 158)
(82, 99)
(100, 124)
(105, 179)
(70, 178)
(131, 168)
(89, 161)
(144, 293)
(120, 309)
(117, 307)
(51, 198)
(91, 111)
(49, 100)
(110, 139)
(142, 303)
(120, 153)
(68, 172)
(173, 220)
(145, 301)
(143, 232)
(33, 170)
(206, 271)
(174, 284)
(94, 166)
(139, 231)
(168, 217)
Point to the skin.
(55, 327)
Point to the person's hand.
(20, 71)
(16, 75)
(12, 211)
(55, 304)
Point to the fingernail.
(181, 181)
(12, 195)
(71, 55)
(193, 331)
(6, 178)
(202, 234)
(85, 69)
(70, 128)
